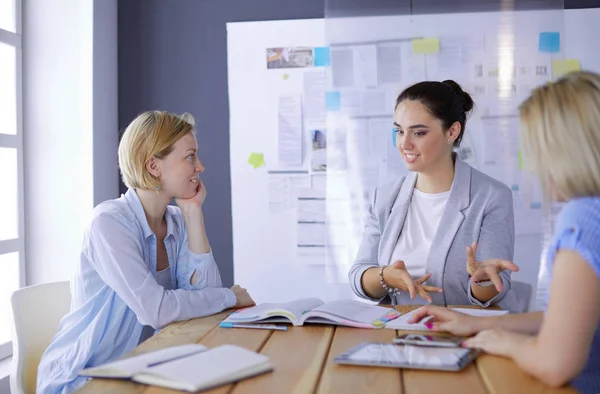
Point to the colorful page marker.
(256, 160)
(426, 45)
(322, 57)
(549, 42)
(333, 101)
(394, 136)
(561, 67)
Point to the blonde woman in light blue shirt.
(144, 263)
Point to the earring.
(449, 141)
(157, 189)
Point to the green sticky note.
(256, 160)
(426, 45)
(520, 155)
(561, 67)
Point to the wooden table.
(303, 361)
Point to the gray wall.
(105, 103)
(173, 56)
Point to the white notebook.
(188, 368)
(128, 367)
(401, 323)
(312, 310)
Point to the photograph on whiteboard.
(319, 150)
(289, 57)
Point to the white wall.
(70, 126)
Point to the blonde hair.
(150, 134)
(560, 132)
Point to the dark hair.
(445, 100)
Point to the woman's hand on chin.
(192, 204)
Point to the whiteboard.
(270, 202)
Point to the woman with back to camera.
(144, 263)
(560, 130)
(426, 233)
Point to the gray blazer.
(479, 208)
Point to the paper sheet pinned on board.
(283, 185)
(256, 160)
(311, 234)
(426, 45)
(311, 209)
(314, 100)
(561, 67)
(366, 66)
(311, 255)
(290, 131)
(501, 139)
(342, 64)
(389, 60)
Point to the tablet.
(407, 356)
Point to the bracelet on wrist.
(389, 290)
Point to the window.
(12, 244)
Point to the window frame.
(16, 141)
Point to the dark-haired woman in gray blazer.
(445, 233)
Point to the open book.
(312, 310)
(402, 322)
(188, 367)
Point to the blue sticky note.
(394, 136)
(549, 42)
(322, 57)
(515, 188)
(333, 101)
(535, 205)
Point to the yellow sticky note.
(561, 67)
(285, 76)
(520, 160)
(426, 45)
(256, 160)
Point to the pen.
(259, 326)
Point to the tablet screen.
(386, 354)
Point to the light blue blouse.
(578, 229)
(115, 292)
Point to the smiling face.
(420, 137)
(179, 170)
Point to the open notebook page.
(127, 367)
(401, 323)
(353, 310)
(217, 366)
(295, 308)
